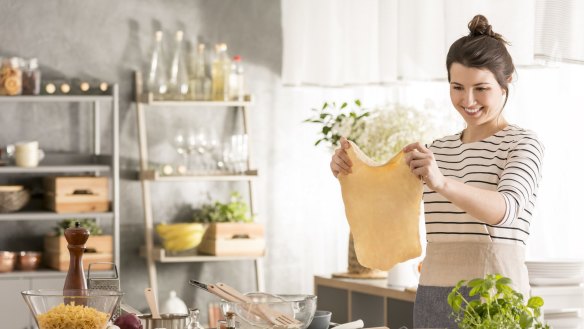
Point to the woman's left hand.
(422, 163)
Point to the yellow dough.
(382, 204)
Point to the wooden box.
(233, 239)
(77, 194)
(99, 248)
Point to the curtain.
(558, 33)
(358, 42)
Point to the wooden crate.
(99, 248)
(233, 239)
(76, 194)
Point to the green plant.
(347, 120)
(89, 224)
(234, 211)
(497, 305)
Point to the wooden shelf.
(64, 163)
(154, 175)
(149, 99)
(162, 256)
(49, 215)
(55, 98)
(45, 273)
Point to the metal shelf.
(154, 175)
(55, 98)
(48, 215)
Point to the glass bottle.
(230, 318)
(220, 73)
(179, 81)
(10, 76)
(200, 81)
(31, 77)
(157, 79)
(193, 322)
(236, 86)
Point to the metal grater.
(105, 283)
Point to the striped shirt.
(510, 162)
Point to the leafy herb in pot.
(90, 224)
(497, 305)
(234, 211)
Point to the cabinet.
(149, 175)
(367, 299)
(61, 163)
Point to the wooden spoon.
(152, 303)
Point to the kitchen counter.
(368, 299)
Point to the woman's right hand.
(340, 163)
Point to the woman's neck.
(477, 133)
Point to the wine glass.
(180, 144)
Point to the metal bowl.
(7, 260)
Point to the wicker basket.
(13, 198)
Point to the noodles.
(72, 316)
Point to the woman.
(480, 184)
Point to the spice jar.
(10, 77)
(31, 77)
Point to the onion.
(128, 321)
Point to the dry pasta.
(72, 316)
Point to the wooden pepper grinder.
(76, 237)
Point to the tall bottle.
(200, 80)
(179, 80)
(220, 73)
(157, 75)
(236, 81)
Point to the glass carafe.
(200, 80)
(157, 82)
(179, 81)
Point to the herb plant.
(497, 306)
(346, 120)
(234, 211)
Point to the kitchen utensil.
(152, 303)
(64, 304)
(105, 283)
(28, 260)
(166, 321)
(214, 290)
(275, 316)
(321, 320)
(7, 259)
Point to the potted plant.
(99, 247)
(230, 230)
(495, 305)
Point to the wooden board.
(233, 247)
(99, 243)
(60, 261)
(234, 230)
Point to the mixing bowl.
(67, 309)
(300, 307)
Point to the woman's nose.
(468, 99)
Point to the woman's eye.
(457, 87)
(482, 89)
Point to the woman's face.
(476, 95)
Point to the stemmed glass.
(181, 146)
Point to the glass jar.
(31, 77)
(10, 77)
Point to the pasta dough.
(382, 204)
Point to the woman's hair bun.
(479, 25)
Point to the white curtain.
(559, 27)
(349, 42)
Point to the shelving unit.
(69, 163)
(147, 176)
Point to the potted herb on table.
(494, 305)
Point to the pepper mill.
(76, 237)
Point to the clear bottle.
(220, 73)
(10, 76)
(230, 318)
(157, 82)
(236, 81)
(200, 80)
(179, 80)
(193, 322)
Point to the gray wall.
(110, 39)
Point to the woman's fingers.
(341, 165)
(415, 146)
(345, 143)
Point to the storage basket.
(13, 198)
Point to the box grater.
(105, 283)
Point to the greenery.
(234, 211)
(337, 121)
(380, 132)
(497, 306)
(90, 224)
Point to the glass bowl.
(66, 309)
(300, 307)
